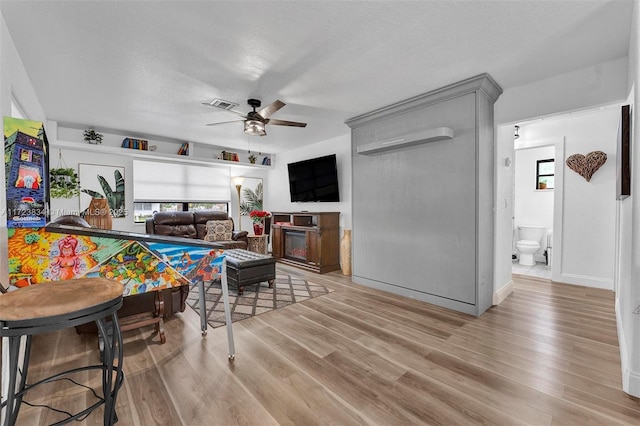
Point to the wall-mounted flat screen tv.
(314, 180)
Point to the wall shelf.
(151, 155)
(426, 136)
(167, 150)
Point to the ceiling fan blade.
(285, 123)
(224, 122)
(271, 108)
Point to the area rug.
(256, 299)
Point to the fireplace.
(295, 245)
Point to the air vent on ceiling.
(222, 104)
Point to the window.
(545, 170)
(144, 211)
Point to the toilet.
(529, 242)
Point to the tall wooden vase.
(98, 213)
(345, 252)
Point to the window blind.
(155, 181)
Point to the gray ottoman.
(246, 267)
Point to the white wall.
(600, 84)
(589, 208)
(628, 234)
(532, 206)
(504, 200)
(277, 197)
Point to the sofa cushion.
(201, 217)
(219, 230)
(177, 224)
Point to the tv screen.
(314, 180)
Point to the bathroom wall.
(532, 206)
(587, 228)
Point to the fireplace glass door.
(295, 245)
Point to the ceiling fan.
(255, 121)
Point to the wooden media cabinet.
(307, 240)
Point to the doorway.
(534, 185)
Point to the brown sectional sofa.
(193, 225)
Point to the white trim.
(630, 379)
(585, 280)
(558, 210)
(500, 295)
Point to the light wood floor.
(547, 355)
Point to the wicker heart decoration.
(587, 165)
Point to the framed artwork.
(251, 197)
(623, 157)
(99, 181)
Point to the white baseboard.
(500, 295)
(630, 379)
(587, 281)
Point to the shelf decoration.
(132, 143)
(587, 165)
(184, 149)
(92, 137)
(64, 183)
(63, 180)
(230, 156)
(266, 161)
(258, 218)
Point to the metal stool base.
(111, 366)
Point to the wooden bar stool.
(56, 305)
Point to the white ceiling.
(146, 67)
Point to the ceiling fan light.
(254, 128)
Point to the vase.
(258, 227)
(98, 214)
(345, 252)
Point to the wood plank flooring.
(547, 355)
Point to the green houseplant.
(64, 183)
(92, 137)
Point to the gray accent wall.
(423, 215)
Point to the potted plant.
(252, 159)
(92, 137)
(64, 183)
(257, 217)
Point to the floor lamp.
(237, 181)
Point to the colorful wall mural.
(37, 255)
